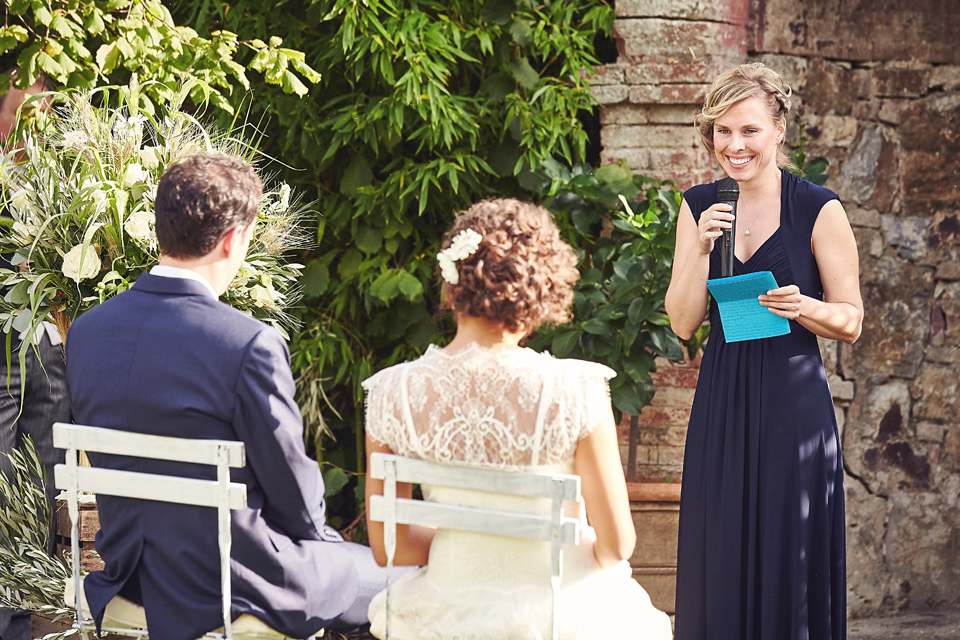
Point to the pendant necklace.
(746, 231)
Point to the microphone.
(728, 192)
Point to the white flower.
(25, 230)
(22, 200)
(140, 225)
(464, 244)
(134, 174)
(263, 296)
(128, 128)
(448, 268)
(284, 196)
(81, 265)
(150, 157)
(98, 195)
(75, 139)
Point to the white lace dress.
(511, 409)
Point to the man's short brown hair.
(202, 197)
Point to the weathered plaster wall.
(878, 84)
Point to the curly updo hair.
(522, 273)
(754, 80)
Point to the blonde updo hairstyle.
(522, 273)
(754, 80)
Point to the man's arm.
(269, 423)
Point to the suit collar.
(170, 286)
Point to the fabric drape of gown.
(511, 409)
(761, 542)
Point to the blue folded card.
(743, 317)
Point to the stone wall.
(878, 85)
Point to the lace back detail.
(505, 409)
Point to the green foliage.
(29, 578)
(79, 43)
(625, 248)
(424, 107)
(812, 169)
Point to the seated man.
(168, 358)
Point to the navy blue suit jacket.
(166, 358)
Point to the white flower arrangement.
(463, 245)
(80, 223)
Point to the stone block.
(866, 110)
(948, 271)
(662, 417)
(945, 77)
(832, 131)
(930, 432)
(930, 165)
(899, 83)
(671, 94)
(635, 159)
(683, 40)
(869, 177)
(907, 234)
(733, 11)
(607, 74)
(609, 94)
(840, 388)
(623, 114)
(667, 396)
(672, 114)
(656, 524)
(891, 108)
(923, 548)
(868, 578)
(671, 71)
(858, 217)
(645, 136)
(941, 387)
(828, 88)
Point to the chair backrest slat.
(150, 486)
(491, 521)
(142, 445)
(528, 483)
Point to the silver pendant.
(746, 232)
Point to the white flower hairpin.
(464, 244)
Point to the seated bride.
(483, 400)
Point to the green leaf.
(521, 70)
(387, 286)
(368, 239)
(598, 326)
(349, 264)
(315, 278)
(356, 175)
(563, 343)
(334, 480)
(410, 287)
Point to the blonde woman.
(483, 400)
(761, 544)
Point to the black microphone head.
(728, 190)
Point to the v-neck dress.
(761, 541)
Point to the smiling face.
(745, 140)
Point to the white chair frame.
(555, 528)
(220, 493)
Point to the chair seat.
(123, 613)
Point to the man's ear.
(232, 240)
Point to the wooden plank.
(128, 443)
(490, 521)
(150, 486)
(528, 483)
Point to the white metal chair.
(222, 494)
(554, 527)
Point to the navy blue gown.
(761, 541)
